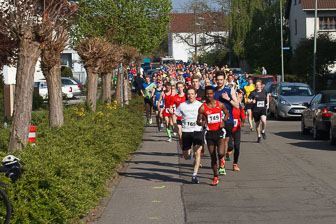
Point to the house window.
(327, 23)
(295, 27)
(203, 40)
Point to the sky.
(179, 4)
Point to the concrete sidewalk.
(150, 188)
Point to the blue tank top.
(157, 94)
(218, 96)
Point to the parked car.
(150, 72)
(237, 71)
(74, 84)
(264, 78)
(318, 113)
(271, 86)
(290, 100)
(43, 89)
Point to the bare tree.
(112, 62)
(23, 22)
(93, 52)
(51, 60)
(129, 54)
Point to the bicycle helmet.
(10, 159)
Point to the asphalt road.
(289, 178)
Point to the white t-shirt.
(189, 112)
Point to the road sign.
(286, 48)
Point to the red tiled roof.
(321, 4)
(186, 22)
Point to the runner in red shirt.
(178, 99)
(234, 141)
(168, 96)
(215, 134)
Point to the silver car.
(75, 86)
(288, 98)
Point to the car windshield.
(264, 80)
(296, 91)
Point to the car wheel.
(304, 130)
(316, 132)
(332, 140)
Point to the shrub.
(67, 170)
(66, 72)
(37, 100)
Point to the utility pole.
(281, 33)
(314, 62)
(195, 34)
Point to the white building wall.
(180, 50)
(297, 14)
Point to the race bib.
(260, 103)
(235, 122)
(189, 124)
(214, 118)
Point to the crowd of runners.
(206, 108)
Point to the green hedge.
(66, 173)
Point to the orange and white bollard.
(32, 135)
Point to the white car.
(74, 84)
(43, 89)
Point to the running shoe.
(175, 134)
(227, 157)
(222, 171)
(150, 121)
(229, 152)
(259, 139)
(235, 167)
(202, 153)
(159, 129)
(194, 180)
(147, 122)
(215, 181)
(169, 140)
(162, 126)
(182, 155)
(264, 135)
(251, 128)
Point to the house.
(69, 58)
(191, 34)
(300, 15)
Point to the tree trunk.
(92, 85)
(28, 54)
(118, 90)
(55, 98)
(106, 87)
(126, 91)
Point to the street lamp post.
(314, 62)
(281, 34)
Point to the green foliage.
(67, 170)
(263, 41)
(219, 58)
(302, 61)
(37, 100)
(138, 23)
(66, 72)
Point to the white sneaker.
(175, 134)
(169, 140)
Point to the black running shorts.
(257, 114)
(191, 138)
(229, 129)
(212, 137)
(148, 101)
(179, 122)
(248, 106)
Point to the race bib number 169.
(214, 118)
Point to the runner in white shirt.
(191, 132)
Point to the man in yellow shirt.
(248, 106)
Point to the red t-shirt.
(177, 101)
(238, 114)
(213, 116)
